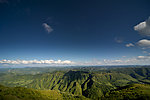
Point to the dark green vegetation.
(78, 83)
(130, 92)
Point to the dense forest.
(76, 83)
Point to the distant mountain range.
(80, 83)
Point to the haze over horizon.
(74, 32)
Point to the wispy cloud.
(143, 57)
(143, 28)
(129, 45)
(119, 39)
(47, 27)
(139, 60)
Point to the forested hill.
(96, 84)
(21, 93)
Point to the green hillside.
(92, 85)
(130, 92)
(79, 83)
(21, 93)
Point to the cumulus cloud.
(143, 27)
(130, 45)
(36, 62)
(144, 43)
(47, 27)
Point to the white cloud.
(143, 58)
(93, 62)
(35, 62)
(47, 27)
(140, 60)
(130, 45)
(144, 43)
(112, 62)
(143, 27)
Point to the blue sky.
(85, 32)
